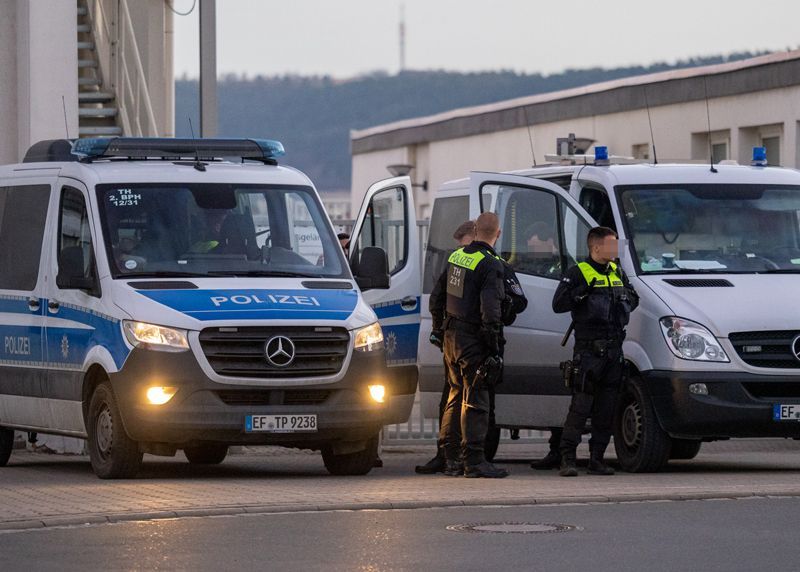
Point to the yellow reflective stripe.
(464, 260)
(590, 274)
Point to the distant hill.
(313, 116)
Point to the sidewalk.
(40, 490)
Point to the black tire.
(6, 445)
(684, 449)
(641, 444)
(492, 443)
(113, 454)
(359, 463)
(206, 453)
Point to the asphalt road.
(751, 534)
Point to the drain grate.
(512, 527)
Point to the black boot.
(453, 468)
(435, 465)
(568, 468)
(596, 464)
(551, 461)
(484, 470)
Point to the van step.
(97, 112)
(92, 131)
(95, 97)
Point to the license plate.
(786, 412)
(280, 423)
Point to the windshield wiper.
(689, 271)
(164, 274)
(261, 273)
(779, 271)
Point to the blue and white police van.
(166, 294)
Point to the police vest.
(612, 280)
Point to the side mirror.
(71, 274)
(373, 269)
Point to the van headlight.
(690, 340)
(155, 337)
(369, 338)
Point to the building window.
(719, 151)
(641, 151)
(773, 145)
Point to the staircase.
(97, 109)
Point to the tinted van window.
(447, 215)
(23, 213)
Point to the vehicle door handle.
(34, 304)
(408, 303)
(53, 306)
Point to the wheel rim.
(632, 425)
(104, 432)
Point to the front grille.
(255, 398)
(771, 349)
(240, 352)
(773, 389)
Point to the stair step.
(84, 28)
(99, 131)
(82, 11)
(85, 45)
(97, 112)
(87, 63)
(95, 97)
(88, 81)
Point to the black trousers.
(443, 404)
(466, 414)
(594, 394)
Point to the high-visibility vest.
(466, 260)
(611, 280)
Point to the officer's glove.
(581, 292)
(437, 339)
(492, 338)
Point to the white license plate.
(786, 412)
(280, 423)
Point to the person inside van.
(212, 231)
(542, 257)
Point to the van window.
(529, 238)
(448, 214)
(23, 213)
(598, 205)
(74, 236)
(574, 230)
(385, 226)
(209, 229)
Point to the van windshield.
(210, 229)
(713, 228)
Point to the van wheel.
(113, 454)
(359, 463)
(492, 443)
(6, 445)
(206, 454)
(641, 444)
(684, 449)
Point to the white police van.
(714, 253)
(154, 297)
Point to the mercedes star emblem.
(796, 347)
(279, 351)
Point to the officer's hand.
(437, 339)
(581, 292)
(492, 339)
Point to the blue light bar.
(168, 148)
(759, 157)
(601, 155)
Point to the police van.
(713, 251)
(167, 294)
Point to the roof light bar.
(255, 149)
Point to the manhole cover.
(512, 527)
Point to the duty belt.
(461, 325)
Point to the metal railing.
(121, 64)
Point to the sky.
(345, 38)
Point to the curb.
(95, 519)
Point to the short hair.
(342, 236)
(540, 229)
(487, 225)
(465, 228)
(599, 234)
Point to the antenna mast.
(402, 31)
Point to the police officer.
(473, 333)
(601, 300)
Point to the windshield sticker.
(124, 198)
(130, 264)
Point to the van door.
(543, 232)
(23, 223)
(387, 219)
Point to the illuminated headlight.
(155, 337)
(369, 338)
(378, 393)
(689, 340)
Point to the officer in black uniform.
(601, 300)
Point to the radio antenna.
(650, 122)
(530, 133)
(708, 119)
(197, 164)
(64, 107)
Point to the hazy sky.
(343, 38)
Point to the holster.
(567, 372)
(490, 373)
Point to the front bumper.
(737, 404)
(202, 409)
